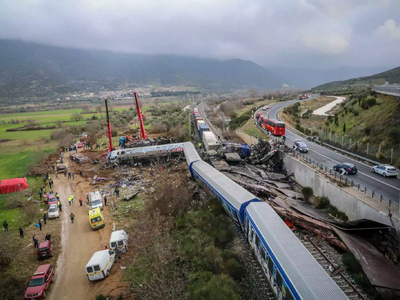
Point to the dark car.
(300, 146)
(345, 168)
(40, 282)
(45, 249)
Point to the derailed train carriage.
(142, 154)
(290, 269)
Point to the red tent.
(13, 185)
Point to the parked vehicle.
(40, 282)
(100, 264)
(50, 198)
(96, 218)
(385, 170)
(345, 168)
(96, 200)
(80, 145)
(53, 212)
(300, 146)
(119, 240)
(45, 249)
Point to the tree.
(99, 108)
(76, 117)
(59, 123)
(85, 108)
(252, 93)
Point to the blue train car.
(292, 271)
(191, 155)
(232, 196)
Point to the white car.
(385, 170)
(53, 211)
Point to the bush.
(356, 112)
(205, 285)
(307, 193)
(371, 101)
(394, 133)
(323, 202)
(114, 133)
(367, 130)
(31, 211)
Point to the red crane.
(110, 148)
(143, 135)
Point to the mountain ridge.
(32, 69)
(392, 75)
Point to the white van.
(100, 264)
(96, 200)
(119, 239)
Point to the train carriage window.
(128, 152)
(289, 295)
(122, 152)
(262, 252)
(279, 280)
(270, 265)
(257, 240)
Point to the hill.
(38, 70)
(392, 76)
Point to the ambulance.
(96, 218)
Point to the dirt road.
(79, 243)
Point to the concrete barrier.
(352, 202)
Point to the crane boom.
(143, 135)
(110, 148)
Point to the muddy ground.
(79, 242)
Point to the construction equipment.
(110, 148)
(143, 135)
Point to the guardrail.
(345, 180)
(359, 157)
(392, 90)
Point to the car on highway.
(53, 211)
(345, 168)
(300, 146)
(385, 170)
(40, 282)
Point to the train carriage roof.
(307, 276)
(191, 153)
(234, 193)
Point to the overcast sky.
(319, 33)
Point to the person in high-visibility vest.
(69, 200)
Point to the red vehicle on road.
(80, 145)
(40, 282)
(274, 126)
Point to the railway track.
(324, 256)
(326, 260)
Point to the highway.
(389, 188)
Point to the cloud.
(389, 29)
(326, 43)
(269, 32)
